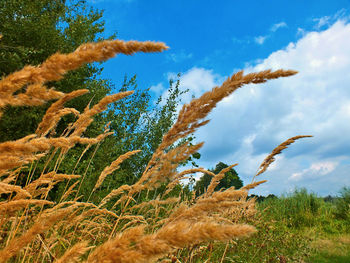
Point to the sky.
(210, 41)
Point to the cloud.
(157, 89)
(277, 26)
(260, 39)
(198, 81)
(318, 169)
(322, 21)
(247, 125)
(326, 21)
(179, 57)
(244, 40)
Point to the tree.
(31, 32)
(230, 179)
(138, 126)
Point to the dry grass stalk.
(85, 119)
(69, 191)
(114, 166)
(271, 157)
(205, 207)
(134, 246)
(216, 179)
(57, 65)
(180, 176)
(55, 112)
(35, 95)
(50, 179)
(191, 117)
(42, 225)
(8, 188)
(157, 202)
(17, 153)
(15, 205)
(72, 255)
(115, 193)
(210, 217)
(163, 170)
(253, 185)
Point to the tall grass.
(301, 209)
(296, 227)
(122, 227)
(343, 205)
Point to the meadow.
(155, 219)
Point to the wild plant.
(119, 228)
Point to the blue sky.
(210, 41)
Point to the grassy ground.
(334, 248)
(300, 227)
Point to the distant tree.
(271, 196)
(261, 198)
(330, 198)
(231, 179)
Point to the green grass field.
(299, 227)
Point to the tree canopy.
(31, 32)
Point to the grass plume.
(38, 229)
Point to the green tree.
(230, 179)
(31, 32)
(138, 126)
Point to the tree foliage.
(34, 30)
(31, 32)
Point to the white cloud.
(277, 26)
(322, 21)
(247, 125)
(316, 169)
(198, 81)
(326, 21)
(157, 89)
(180, 56)
(260, 39)
(301, 32)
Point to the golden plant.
(33, 229)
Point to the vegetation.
(35, 30)
(63, 200)
(298, 227)
(36, 227)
